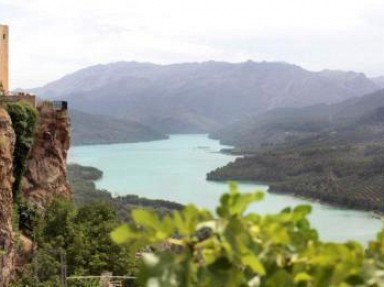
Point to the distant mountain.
(284, 125)
(96, 129)
(200, 97)
(379, 81)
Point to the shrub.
(235, 248)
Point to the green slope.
(331, 153)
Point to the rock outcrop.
(7, 142)
(45, 177)
(46, 169)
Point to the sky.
(52, 38)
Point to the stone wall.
(21, 97)
(4, 40)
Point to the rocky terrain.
(45, 177)
(7, 244)
(46, 167)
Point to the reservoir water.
(175, 170)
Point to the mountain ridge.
(200, 97)
(89, 129)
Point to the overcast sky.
(51, 38)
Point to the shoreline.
(374, 213)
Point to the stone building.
(4, 81)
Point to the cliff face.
(45, 177)
(7, 142)
(46, 169)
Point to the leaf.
(303, 209)
(254, 263)
(280, 278)
(146, 218)
(303, 277)
(121, 234)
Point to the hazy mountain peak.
(196, 97)
(378, 81)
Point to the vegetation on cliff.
(24, 119)
(80, 229)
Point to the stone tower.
(4, 35)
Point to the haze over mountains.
(97, 129)
(201, 97)
(294, 125)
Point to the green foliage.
(235, 248)
(24, 118)
(87, 173)
(28, 216)
(343, 175)
(82, 235)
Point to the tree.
(83, 235)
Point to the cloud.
(52, 38)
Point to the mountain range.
(283, 125)
(200, 97)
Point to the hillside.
(96, 129)
(379, 81)
(200, 97)
(292, 124)
(333, 153)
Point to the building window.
(4, 36)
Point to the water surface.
(176, 169)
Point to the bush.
(235, 248)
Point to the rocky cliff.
(46, 169)
(7, 142)
(45, 176)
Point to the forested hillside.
(291, 124)
(334, 153)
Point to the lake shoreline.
(375, 214)
(175, 170)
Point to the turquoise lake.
(175, 170)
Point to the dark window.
(4, 36)
(60, 105)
